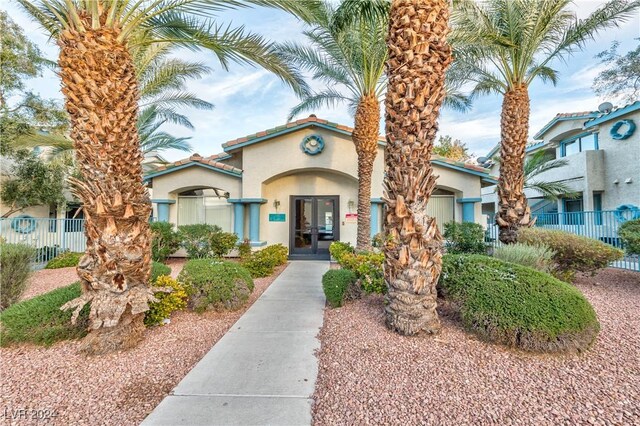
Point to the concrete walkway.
(263, 371)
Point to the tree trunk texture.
(101, 91)
(365, 138)
(418, 59)
(513, 211)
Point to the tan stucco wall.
(168, 186)
(463, 185)
(266, 160)
(306, 183)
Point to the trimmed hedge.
(335, 283)
(517, 306)
(39, 320)
(215, 284)
(572, 253)
(15, 268)
(262, 262)
(367, 265)
(64, 260)
(629, 233)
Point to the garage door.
(441, 207)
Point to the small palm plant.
(502, 46)
(102, 94)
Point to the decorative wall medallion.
(623, 129)
(312, 145)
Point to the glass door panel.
(325, 223)
(302, 223)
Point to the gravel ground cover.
(368, 375)
(45, 280)
(117, 389)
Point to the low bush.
(15, 268)
(244, 249)
(164, 241)
(368, 268)
(366, 265)
(536, 257)
(158, 269)
(572, 253)
(629, 233)
(338, 250)
(215, 284)
(168, 302)
(206, 241)
(64, 260)
(517, 306)
(464, 238)
(39, 320)
(262, 262)
(335, 283)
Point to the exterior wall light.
(276, 204)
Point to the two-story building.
(602, 152)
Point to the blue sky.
(249, 99)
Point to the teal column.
(163, 209)
(254, 222)
(469, 208)
(238, 220)
(375, 215)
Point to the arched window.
(204, 205)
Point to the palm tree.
(504, 45)
(418, 58)
(352, 59)
(348, 52)
(101, 89)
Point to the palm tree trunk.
(513, 211)
(101, 91)
(418, 58)
(365, 137)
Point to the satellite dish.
(605, 107)
(482, 160)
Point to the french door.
(314, 226)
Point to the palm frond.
(326, 98)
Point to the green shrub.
(39, 320)
(262, 262)
(215, 284)
(244, 249)
(158, 269)
(368, 269)
(572, 253)
(206, 241)
(338, 249)
(465, 237)
(536, 257)
(164, 241)
(64, 260)
(629, 233)
(167, 301)
(517, 306)
(335, 283)
(15, 267)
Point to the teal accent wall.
(238, 220)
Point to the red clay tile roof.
(575, 114)
(311, 119)
(197, 158)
